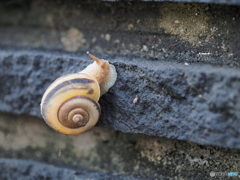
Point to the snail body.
(70, 104)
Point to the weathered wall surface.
(104, 150)
(201, 105)
(171, 32)
(237, 2)
(180, 62)
(29, 170)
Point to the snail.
(70, 104)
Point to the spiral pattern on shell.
(70, 105)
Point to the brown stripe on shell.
(91, 91)
(60, 86)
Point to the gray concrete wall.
(196, 103)
(180, 61)
(106, 152)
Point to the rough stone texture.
(237, 2)
(187, 102)
(28, 170)
(106, 151)
(170, 32)
(178, 77)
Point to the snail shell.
(70, 104)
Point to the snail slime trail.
(70, 104)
